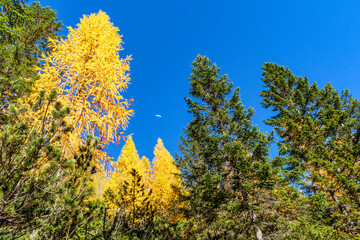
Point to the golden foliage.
(145, 171)
(160, 180)
(128, 160)
(165, 178)
(88, 73)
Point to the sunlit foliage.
(122, 175)
(87, 71)
(165, 178)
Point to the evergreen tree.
(224, 162)
(320, 132)
(25, 31)
(39, 187)
(11, 13)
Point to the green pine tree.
(11, 14)
(224, 161)
(319, 131)
(24, 36)
(42, 193)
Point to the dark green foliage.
(75, 221)
(319, 130)
(11, 14)
(164, 229)
(224, 162)
(25, 31)
(42, 192)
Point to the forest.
(62, 103)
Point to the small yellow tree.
(145, 171)
(88, 73)
(128, 158)
(128, 162)
(165, 178)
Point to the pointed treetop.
(165, 177)
(159, 144)
(129, 155)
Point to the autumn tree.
(87, 71)
(319, 131)
(134, 213)
(127, 161)
(165, 179)
(128, 158)
(224, 161)
(127, 196)
(145, 171)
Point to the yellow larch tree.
(128, 158)
(145, 171)
(128, 161)
(89, 75)
(165, 178)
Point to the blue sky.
(318, 39)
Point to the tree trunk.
(258, 232)
(342, 208)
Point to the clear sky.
(315, 38)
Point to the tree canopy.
(62, 103)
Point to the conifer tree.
(87, 71)
(134, 213)
(224, 160)
(145, 171)
(128, 160)
(24, 36)
(319, 130)
(39, 187)
(11, 14)
(165, 179)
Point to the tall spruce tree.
(320, 132)
(224, 160)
